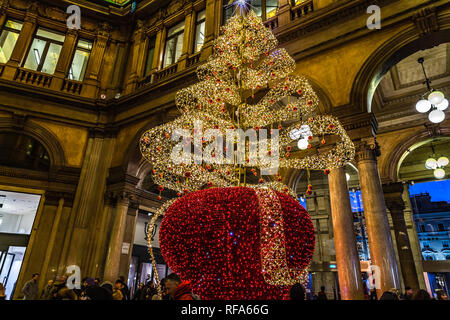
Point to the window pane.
(199, 36)
(271, 8)
(227, 12)
(201, 15)
(175, 29)
(50, 35)
(7, 42)
(168, 54)
(79, 65)
(256, 6)
(35, 54)
(52, 58)
(85, 44)
(174, 46)
(179, 47)
(150, 54)
(16, 25)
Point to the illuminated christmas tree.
(247, 84)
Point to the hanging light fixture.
(435, 101)
(436, 165)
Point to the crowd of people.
(173, 288)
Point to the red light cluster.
(212, 238)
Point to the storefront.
(141, 268)
(17, 215)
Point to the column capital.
(367, 149)
(188, 9)
(104, 30)
(4, 7)
(393, 195)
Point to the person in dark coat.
(389, 295)
(125, 290)
(61, 291)
(297, 292)
(322, 295)
(421, 295)
(95, 292)
(46, 293)
(139, 292)
(108, 287)
(31, 289)
(178, 290)
(408, 294)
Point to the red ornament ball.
(212, 238)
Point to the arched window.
(21, 151)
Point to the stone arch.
(396, 157)
(45, 137)
(133, 163)
(386, 56)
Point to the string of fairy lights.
(247, 84)
(245, 62)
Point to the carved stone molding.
(367, 149)
(426, 21)
(52, 198)
(104, 29)
(4, 4)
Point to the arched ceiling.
(412, 168)
(399, 90)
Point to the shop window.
(80, 60)
(422, 228)
(44, 52)
(174, 44)
(8, 39)
(445, 243)
(441, 227)
(21, 151)
(200, 30)
(150, 55)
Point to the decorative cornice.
(426, 21)
(367, 150)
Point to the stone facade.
(91, 128)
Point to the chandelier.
(435, 102)
(436, 165)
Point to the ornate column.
(347, 259)
(22, 44)
(113, 257)
(212, 19)
(91, 81)
(393, 195)
(188, 35)
(284, 12)
(58, 200)
(159, 49)
(128, 238)
(378, 230)
(88, 202)
(137, 57)
(65, 59)
(4, 4)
